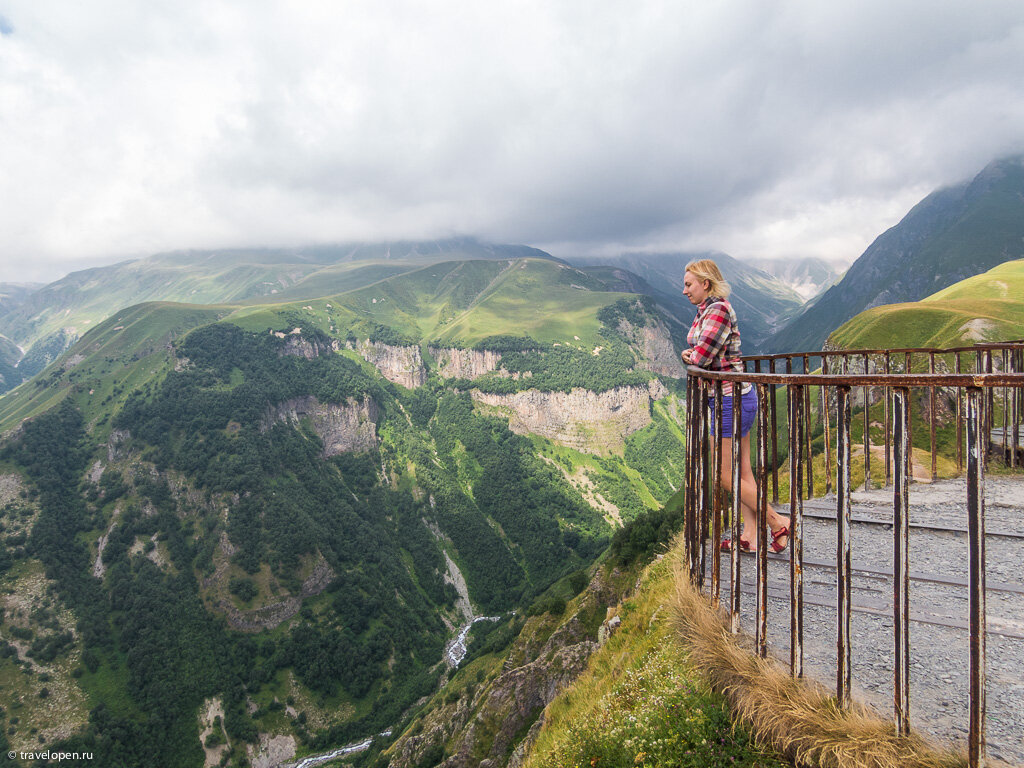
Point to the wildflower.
(640, 757)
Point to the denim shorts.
(748, 410)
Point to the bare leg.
(748, 492)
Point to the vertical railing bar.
(1006, 415)
(932, 418)
(757, 458)
(888, 448)
(705, 488)
(698, 475)
(957, 367)
(690, 472)
(775, 438)
(989, 411)
(867, 429)
(737, 516)
(789, 370)
(901, 564)
(976, 557)
(717, 512)
(910, 423)
(843, 565)
(806, 431)
(826, 414)
(796, 561)
(761, 633)
(1015, 417)
(1015, 420)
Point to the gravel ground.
(939, 654)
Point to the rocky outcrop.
(592, 422)
(401, 365)
(271, 751)
(464, 363)
(347, 427)
(269, 616)
(297, 345)
(654, 341)
(117, 444)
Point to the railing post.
(976, 560)
(867, 429)
(843, 565)
(692, 460)
(716, 526)
(931, 418)
(959, 419)
(910, 424)
(775, 437)
(888, 448)
(989, 409)
(1015, 420)
(808, 458)
(737, 515)
(796, 510)
(703, 494)
(901, 565)
(761, 632)
(823, 399)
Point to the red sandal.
(726, 545)
(776, 535)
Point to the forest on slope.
(175, 497)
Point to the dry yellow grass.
(795, 717)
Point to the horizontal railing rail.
(970, 399)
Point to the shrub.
(244, 588)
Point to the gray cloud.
(791, 128)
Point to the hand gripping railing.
(973, 398)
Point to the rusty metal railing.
(970, 400)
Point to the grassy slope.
(463, 302)
(83, 299)
(640, 702)
(987, 307)
(121, 354)
(672, 687)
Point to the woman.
(714, 340)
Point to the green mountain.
(952, 234)
(47, 320)
(986, 307)
(761, 301)
(237, 524)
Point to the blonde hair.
(706, 269)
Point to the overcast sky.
(760, 128)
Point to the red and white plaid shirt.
(714, 338)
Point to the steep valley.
(233, 536)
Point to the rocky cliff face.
(465, 363)
(655, 343)
(592, 422)
(350, 426)
(297, 345)
(401, 365)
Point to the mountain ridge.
(952, 234)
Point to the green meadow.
(986, 307)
